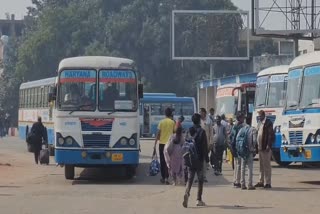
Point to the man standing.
(219, 140)
(211, 115)
(200, 140)
(237, 161)
(165, 130)
(265, 140)
(207, 125)
(40, 135)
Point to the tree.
(264, 46)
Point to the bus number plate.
(116, 157)
(307, 154)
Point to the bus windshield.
(76, 90)
(311, 88)
(293, 88)
(277, 91)
(226, 105)
(117, 90)
(261, 91)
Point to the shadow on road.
(116, 175)
(231, 207)
(311, 182)
(291, 189)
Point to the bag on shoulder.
(190, 154)
(31, 137)
(154, 167)
(242, 145)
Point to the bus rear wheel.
(277, 159)
(69, 172)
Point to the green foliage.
(136, 29)
(264, 46)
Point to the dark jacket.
(40, 133)
(201, 143)
(268, 137)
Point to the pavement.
(26, 188)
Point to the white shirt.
(260, 133)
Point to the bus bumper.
(300, 153)
(96, 157)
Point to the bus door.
(249, 102)
(146, 119)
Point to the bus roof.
(96, 62)
(37, 83)
(169, 99)
(159, 94)
(231, 85)
(306, 59)
(280, 69)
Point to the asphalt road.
(26, 188)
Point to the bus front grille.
(96, 141)
(295, 137)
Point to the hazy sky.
(18, 7)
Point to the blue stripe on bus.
(50, 131)
(166, 99)
(228, 80)
(294, 74)
(95, 157)
(248, 78)
(312, 71)
(304, 111)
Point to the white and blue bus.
(270, 96)
(152, 108)
(33, 102)
(96, 113)
(301, 126)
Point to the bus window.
(155, 109)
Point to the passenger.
(165, 130)
(202, 154)
(74, 96)
(251, 141)
(219, 144)
(39, 136)
(211, 115)
(207, 125)
(265, 140)
(224, 121)
(173, 156)
(237, 162)
(179, 122)
(110, 94)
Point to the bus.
(232, 98)
(270, 96)
(153, 105)
(33, 102)
(301, 124)
(96, 120)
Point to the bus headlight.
(318, 138)
(132, 142)
(60, 141)
(123, 141)
(312, 138)
(69, 141)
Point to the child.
(173, 155)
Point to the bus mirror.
(52, 95)
(140, 90)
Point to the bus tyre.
(69, 172)
(51, 150)
(130, 172)
(277, 159)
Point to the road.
(26, 188)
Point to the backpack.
(189, 151)
(242, 145)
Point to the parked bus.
(152, 108)
(96, 114)
(301, 125)
(231, 98)
(270, 96)
(33, 102)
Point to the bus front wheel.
(130, 172)
(277, 159)
(69, 172)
